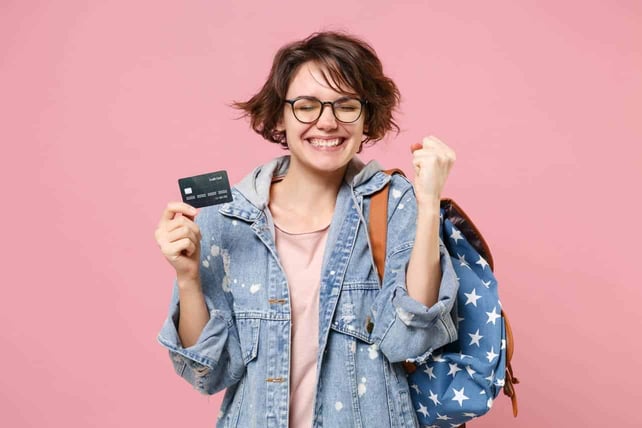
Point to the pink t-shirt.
(301, 255)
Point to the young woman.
(276, 296)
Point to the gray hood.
(255, 187)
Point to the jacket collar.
(252, 193)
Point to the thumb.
(416, 146)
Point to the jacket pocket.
(249, 332)
(354, 310)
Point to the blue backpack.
(459, 381)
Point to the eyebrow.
(337, 99)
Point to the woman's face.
(325, 145)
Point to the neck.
(307, 196)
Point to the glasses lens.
(307, 110)
(347, 109)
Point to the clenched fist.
(432, 160)
(179, 239)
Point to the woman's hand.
(432, 160)
(179, 239)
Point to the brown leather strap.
(510, 380)
(378, 224)
(377, 228)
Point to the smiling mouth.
(317, 142)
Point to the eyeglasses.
(309, 109)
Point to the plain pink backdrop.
(103, 105)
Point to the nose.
(327, 119)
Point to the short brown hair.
(347, 61)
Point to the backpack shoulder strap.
(378, 223)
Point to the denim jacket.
(366, 328)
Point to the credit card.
(206, 189)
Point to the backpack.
(459, 381)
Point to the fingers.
(184, 231)
(175, 249)
(177, 222)
(415, 146)
(432, 146)
(177, 207)
(177, 229)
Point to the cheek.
(360, 129)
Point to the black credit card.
(206, 189)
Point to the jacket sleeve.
(405, 329)
(215, 361)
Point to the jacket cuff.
(210, 345)
(414, 330)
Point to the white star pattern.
(454, 368)
(492, 316)
(462, 260)
(491, 377)
(483, 263)
(429, 371)
(416, 388)
(491, 355)
(503, 344)
(475, 338)
(459, 396)
(434, 398)
(472, 297)
(423, 410)
(486, 283)
(470, 371)
(456, 235)
(443, 417)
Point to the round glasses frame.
(362, 102)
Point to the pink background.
(104, 105)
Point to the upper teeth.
(325, 143)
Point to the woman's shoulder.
(399, 184)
